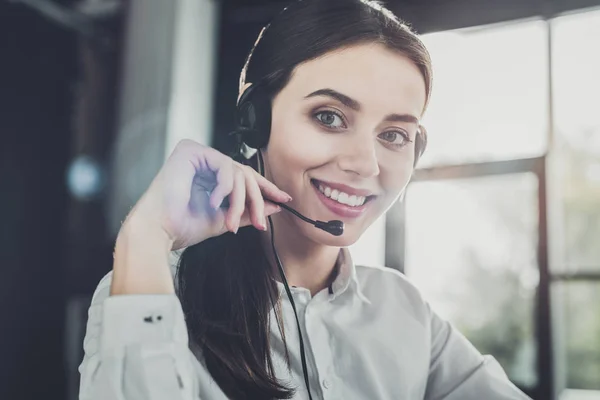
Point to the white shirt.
(372, 337)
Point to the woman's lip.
(345, 188)
(340, 209)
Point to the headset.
(253, 129)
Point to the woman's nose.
(359, 155)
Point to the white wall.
(166, 92)
(192, 78)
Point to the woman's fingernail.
(289, 198)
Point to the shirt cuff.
(142, 319)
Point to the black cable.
(296, 213)
(289, 293)
(287, 287)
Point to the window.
(577, 327)
(575, 203)
(576, 149)
(490, 97)
(512, 172)
(482, 274)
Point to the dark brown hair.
(225, 283)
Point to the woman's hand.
(183, 201)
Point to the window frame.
(395, 232)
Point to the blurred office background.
(500, 228)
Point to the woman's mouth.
(339, 202)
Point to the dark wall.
(37, 62)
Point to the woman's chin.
(339, 241)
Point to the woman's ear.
(242, 90)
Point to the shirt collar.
(346, 278)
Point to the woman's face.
(345, 125)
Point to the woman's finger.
(224, 186)
(269, 189)
(237, 201)
(255, 202)
(270, 209)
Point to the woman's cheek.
(394, 182)
(308, 144)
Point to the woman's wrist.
(141, 259)
(142, 227)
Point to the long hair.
(225, 283)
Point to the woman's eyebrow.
(355, 105)
(402, 118)
(334, 94)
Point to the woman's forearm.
(141, 260)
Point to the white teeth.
(341, 197)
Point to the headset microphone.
(334, 227)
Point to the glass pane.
(576, 150)
(471, 249)
(576, 307)
(490, 94)
(577, 394)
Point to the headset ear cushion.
(254, 138)
(420, 143)
(254, 116)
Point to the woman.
(343, 85)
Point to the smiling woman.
(331, 98)
(350, 128)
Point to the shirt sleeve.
(458, 371)
(136, 347)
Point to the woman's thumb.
(271, 208)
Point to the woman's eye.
(330, 119)
(395, 138)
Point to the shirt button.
(325, 383)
